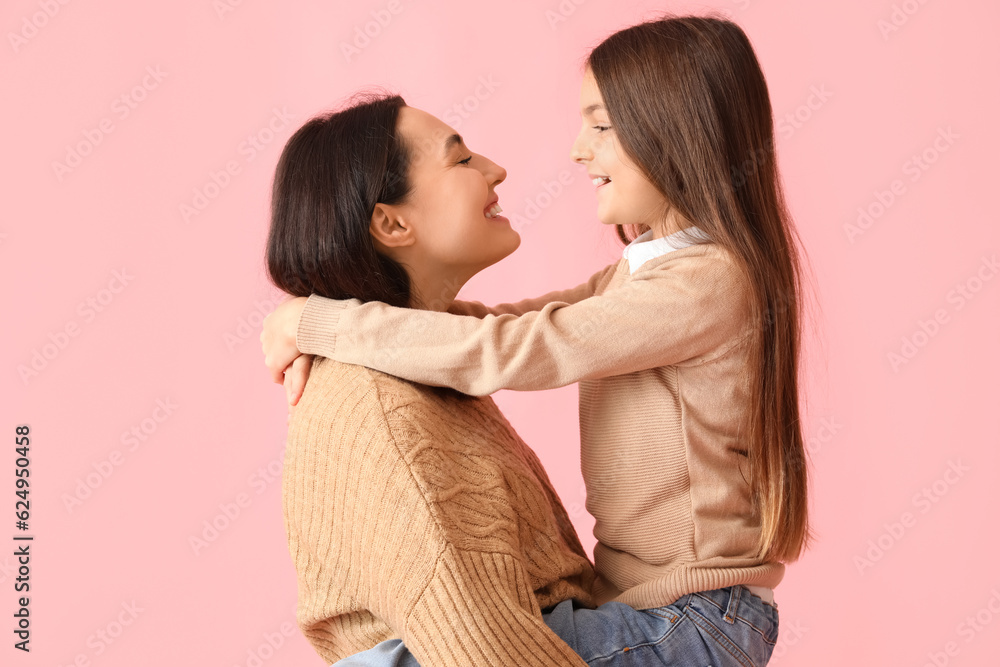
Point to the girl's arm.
(578, 293)
(690, 305)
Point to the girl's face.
(451, 201)
(624, 195)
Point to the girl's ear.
(389, 228)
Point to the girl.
(686, 351)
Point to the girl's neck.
(671, 224)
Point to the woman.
(686, 351)
(412, 512)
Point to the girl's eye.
(602, 128)
(466, 160)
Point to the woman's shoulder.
(328, 376)
(373, 389)
(346, 411)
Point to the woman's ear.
(389, 229)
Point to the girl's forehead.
(590, 95)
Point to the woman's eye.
(466, 160)
(602, 128)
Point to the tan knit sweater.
(417, 512)
(661, 358)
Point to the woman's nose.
(494, 173)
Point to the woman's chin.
(514, 244)
(503, 250)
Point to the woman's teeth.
(494, 211)
(601, 180)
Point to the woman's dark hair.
(330, 175)
(690, 106)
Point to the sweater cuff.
(317, 329)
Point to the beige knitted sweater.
(417, 512)
(661, 355)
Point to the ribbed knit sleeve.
(573, 295)
(479, 610)
(690, 304)
(359, 532)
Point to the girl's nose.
(579, 152)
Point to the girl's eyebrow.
(592, 108)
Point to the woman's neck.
(434, 292)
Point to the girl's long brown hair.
(690, 106)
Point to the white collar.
(645, 248)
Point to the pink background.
(903, 449)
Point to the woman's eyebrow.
(453, 140)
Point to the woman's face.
(451, 200)
(624, 195)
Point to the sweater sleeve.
(573, 295)
(685, 309)
(349, 547)
(479, 609)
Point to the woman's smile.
(493, 210)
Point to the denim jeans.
(719, 628)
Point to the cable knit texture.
(661, 355)
(417, 512)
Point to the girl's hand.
(295, 380)
(277, 339)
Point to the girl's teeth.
(601, 180)
(494, 212)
